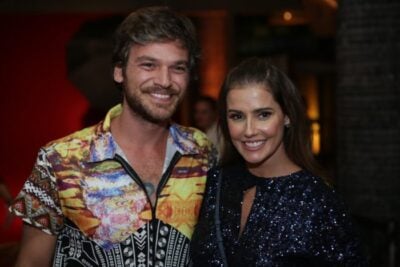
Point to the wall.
(38, 103)
(368, 123)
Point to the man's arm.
(37, 248)
(5, 193)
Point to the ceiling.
(238, 6)
(319, 14)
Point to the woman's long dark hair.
(296, 137)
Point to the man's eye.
(147, 65)
(180, 69)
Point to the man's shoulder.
(82, 135)
(79, 140)
(194, 135)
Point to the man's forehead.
(171, 50)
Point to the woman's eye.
(235, 116)
(264, 114)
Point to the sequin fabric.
(295, 220)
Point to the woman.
(266, 204)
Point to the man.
(205, 112)
(6, 196)
(206, 118)
(127, 191)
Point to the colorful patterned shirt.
(84, 191)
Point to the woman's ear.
(286, 122)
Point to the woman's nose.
(250, 129)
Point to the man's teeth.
(162, 96)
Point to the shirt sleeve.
(37, 203)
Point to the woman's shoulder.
(233, 178)
(313, 191)
(308, 182)
(305, 187)
(227, 172)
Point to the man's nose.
(163, 77)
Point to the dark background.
(55, 78)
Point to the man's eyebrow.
(145, 58)
(182, 62)
(152, 59)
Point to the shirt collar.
(103, 146)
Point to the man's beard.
(138, 107)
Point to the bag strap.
(220, 241)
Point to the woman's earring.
(287, 123)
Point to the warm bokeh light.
(309, 87)
(331, 3)
(214, 43)
(287, 15)
(311, 95)
(315, 138)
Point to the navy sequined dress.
(296, 220)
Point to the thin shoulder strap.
(220, 241)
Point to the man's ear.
(118, 75)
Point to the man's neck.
(144, 146)
(131, 131)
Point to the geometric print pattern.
(165, 247)
(37, 202)
(101, 216)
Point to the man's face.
(155, 79)
(204, 115)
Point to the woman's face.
(256, 124)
